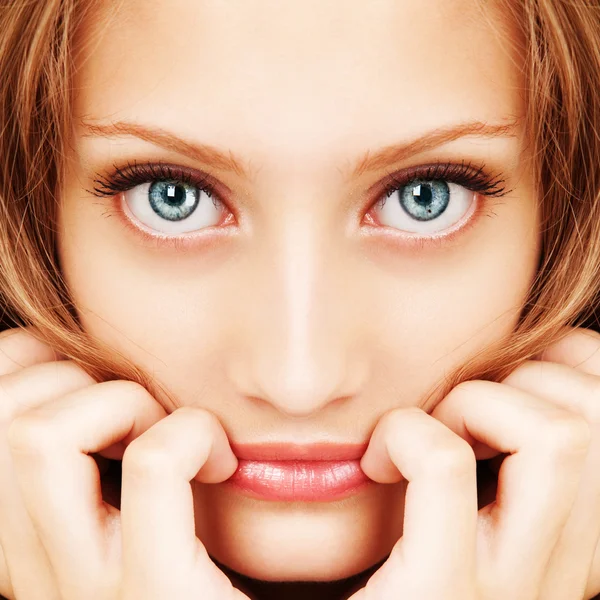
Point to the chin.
(299, 541)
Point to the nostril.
(299, 389)
(297, 408)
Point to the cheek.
(158, 310)
(444, 306)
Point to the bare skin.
(251, 319)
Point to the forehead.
(297, 76)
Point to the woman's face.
(295, 306)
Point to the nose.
(301, 322)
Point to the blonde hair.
(561, 60)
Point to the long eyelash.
(133, 174)
(469, 176)
(125, 178)
(472, 177)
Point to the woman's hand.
(31, 373)
(69, 543)
(539, 538)
(574, 384)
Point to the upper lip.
(294, 451)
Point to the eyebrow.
(387, 156)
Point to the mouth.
(299, 472)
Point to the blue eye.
(425, 200)
(425, 205)
(173, 206)
(167, 199)
(173, 200)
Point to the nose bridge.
(300, 358)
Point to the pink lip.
(299, 472)
(279, 451)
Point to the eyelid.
(131, 174)
(467, 174)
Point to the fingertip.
(217, 471)
(379, 469)
(221, 463)
(220, 466)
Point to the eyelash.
(122, 179)
(466, 174)
(133, 174)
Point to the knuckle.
(18, 331)
(17, 389)
(31, 434)
(394, 419)
(588, 333)
(206, 419)
(567, 434)
(142, 460)
(590, 340)
(454, 460)
(124, 386)
(392, 423)
(448, 455)
(472, 389)
(471, 386)
(127, 390)
(591, 407)
(7, 360)
(8, 410)
(15, 345)
(70, 370)
(584, 343)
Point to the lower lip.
(299, 480)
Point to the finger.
(560, 385)
(19, 391)
(157, 511)
(579, 392)
(537, 483)
(440, 519)
(19, 348)
(27, 388)
(42, 383)
(50, 446)
(579, 349)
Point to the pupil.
(175, 194)
(422, 194)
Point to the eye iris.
(173, 200)
(425, 200)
